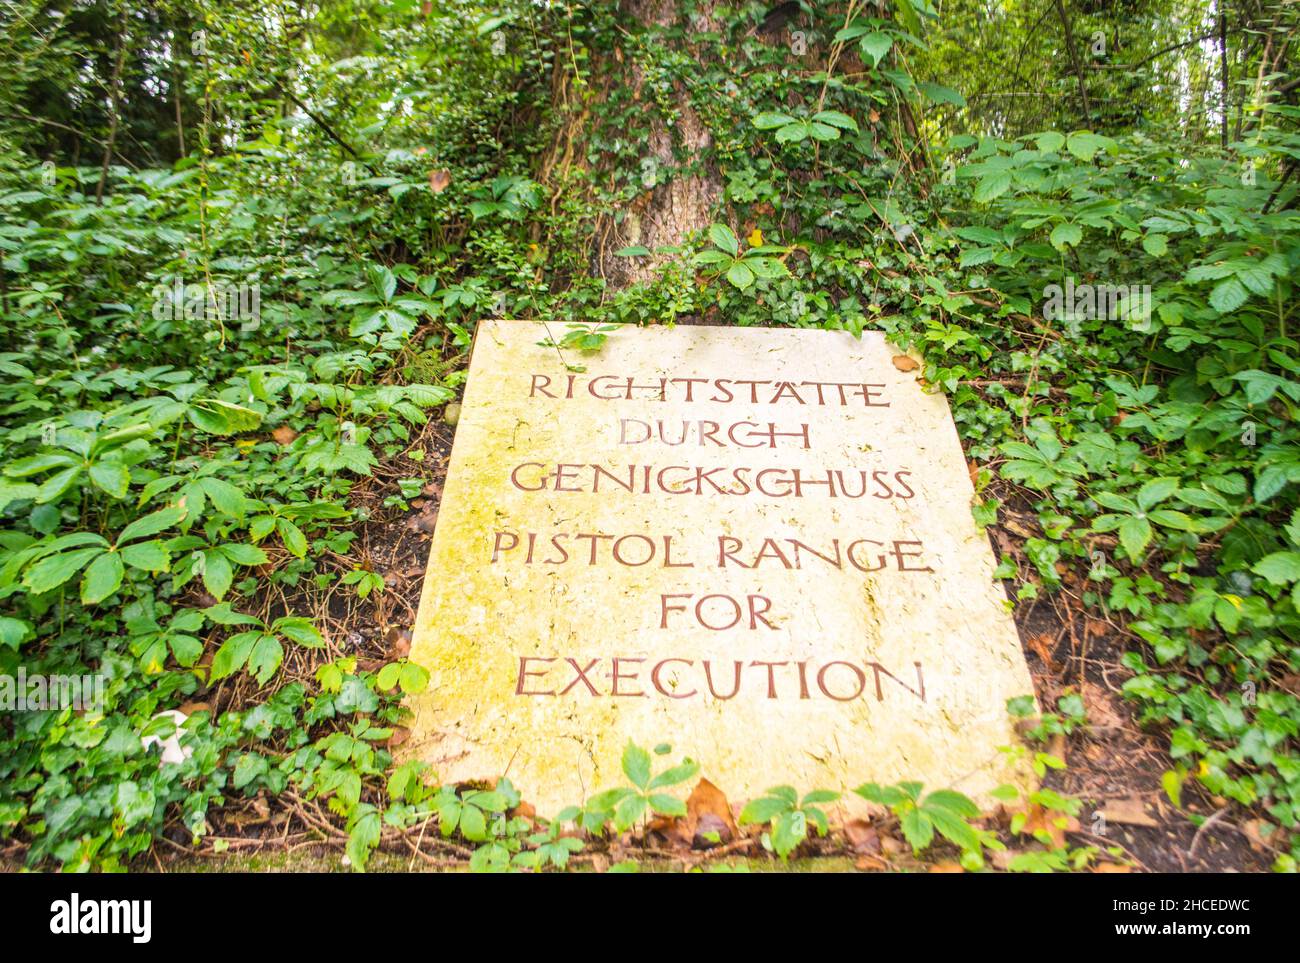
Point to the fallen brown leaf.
(904, 363)
(1129, 811)
(1101, 707)
(670, 828)
(947, 867)
(1253, 829)
(1054, 824)
(399, 642)
(439, 180)
(283, 435)
(1112, 868)
(1095, 627)
(1042, 646)
(708, 821)
(425, 521)
(862, 836)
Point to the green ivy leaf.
(13, 632)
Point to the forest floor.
(1113, 765)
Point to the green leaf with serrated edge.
(110, 477)
(1279, 568)
(148, 556)
(917, 829)
(265, 658)
(242, 553)
(636, 765)
(152, 524)
(233, 654)
(740, 275)
(217, 574)
(300, 630)
(223, 614)
(771, 120)
(836, 119)
(51, 572)
(292, 537)
(627, 812)
(1134, 534)
(876, 45)
(666, 805)
(762, 810)
(992, 186)
(1066, 235)
(675, 775)
(789, 830)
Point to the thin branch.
(1074, 59)
(333, 135)
(1180, 46)
(115, 105)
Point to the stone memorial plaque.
(755, 545)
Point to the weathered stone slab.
(753, 544)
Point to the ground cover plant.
(244, 250)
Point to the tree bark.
(677, 204)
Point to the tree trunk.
(675, 204)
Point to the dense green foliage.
(382, 175)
